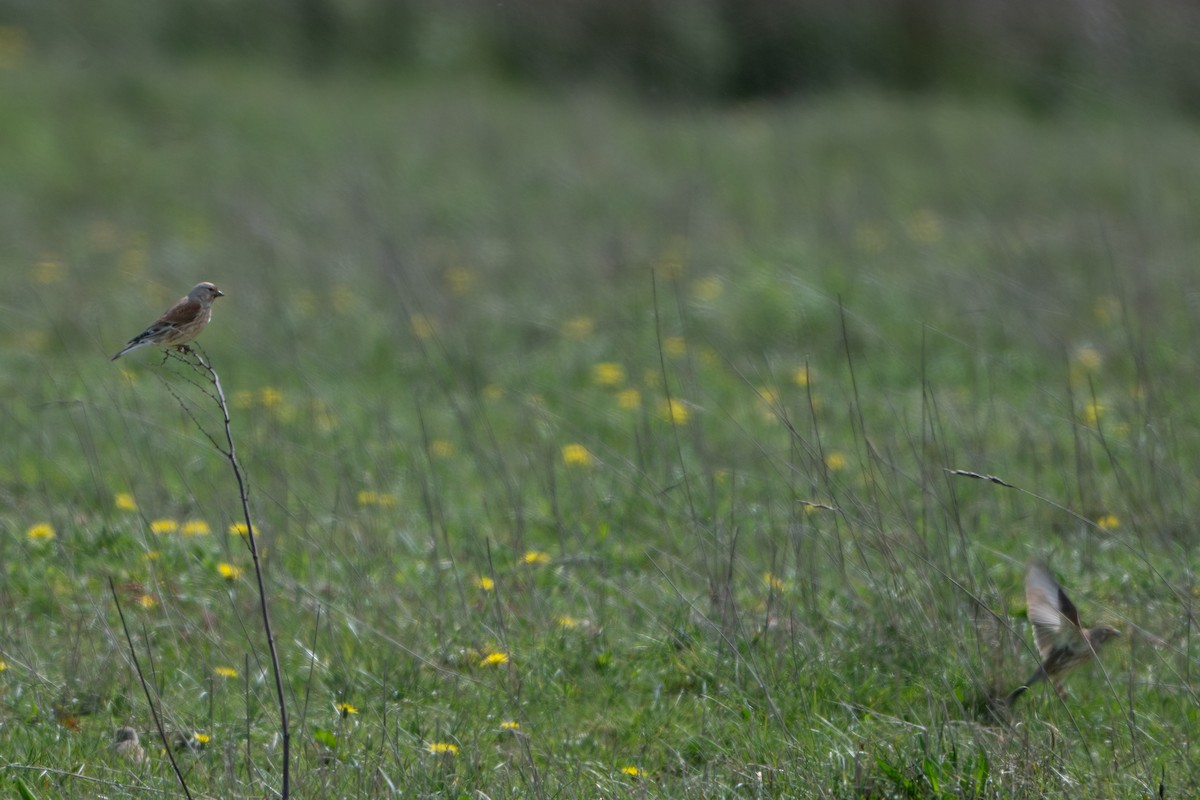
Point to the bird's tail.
(1039, 674)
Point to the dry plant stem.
(231, 455)
(162, 734)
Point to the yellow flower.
(674, 345)
(147, 601)
(345, 709)
(835, 460)
(568, 622)
(629, 399)
(608, 373)
(239, 529)
(270, 397)
(494, 659)
(423, 327)
(42, 532)
(707, 289)
(485, 583)
(801, 377)
(509, 725)
(49, 271)
(226, 672)
(773, 582)
(536, 557)
(124, 502)
(440, 448)
(164, 526)
(580, 327)
(3, 665)
(492, 392)
(442, 748)
(195, 527)
(674, 411)
(229, 572)
(1091, 414)
(151, 555)
(1108, 522)
(201, 738)
(460, 280)
(631, 771)
(576, 455)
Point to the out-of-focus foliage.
(1041, 54)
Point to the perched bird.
(127, 745)
(180, 323)
(1063, 642)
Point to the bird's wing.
(184, 311)
(1054, 617)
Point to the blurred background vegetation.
(1040, 54)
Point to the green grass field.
(595, 449)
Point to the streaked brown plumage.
(1062, 641)
(180, 323)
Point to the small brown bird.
(180, 323)
(1063, 642)
(127, 745)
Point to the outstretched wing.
(1054, 617)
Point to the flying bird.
(180, 323)
(1062, 641)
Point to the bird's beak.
(219, 293)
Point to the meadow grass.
(595, 449)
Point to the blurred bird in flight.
(1062, 641)
(180, 323)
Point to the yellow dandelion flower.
(270, 397)
(201, 738)
(124, 501)
(49, 271)
(631, 771)
(801, 377)
(576, 455)
(492, 392)
(42, 532)
(629, 399)
(228, 571)
(510, 725)
(423, 326)
(580, 327)
(835, 460)
(440, 448)
(367, 497)
(485, 583)
(608, 373)
(773, 582)
(152, 555)
(3, 665)
(674, 345)
(195, 527)
(239, 529)
(1108, 522)
(707, 289)
(460, 280)
(164, 526)
(1091, 414)
(494, 659)
(147, 601)
(345, 709)
(535, 557)
(442, 748)
(568, 622)
(225, 672)
(674, 411)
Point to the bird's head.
(205, 292)
(1101, 634)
